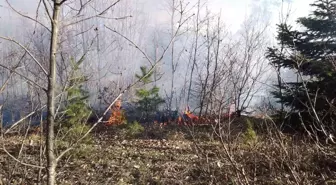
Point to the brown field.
(176, 155)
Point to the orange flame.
(117, 117)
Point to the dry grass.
(176, 158)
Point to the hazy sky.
(233, 11)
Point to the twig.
(25, 16)
(22, 119)
(29, 53)
(21, 162)
(94, 16)
(23, 76)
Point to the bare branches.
(100, 14)
(24, 76)
(27, 17)
(22, 119)
(47, 10)
(26, 50)
(82, 6)
(19, 161)
(144, 53)
(134, 44)
(108, 8)
(63, 1)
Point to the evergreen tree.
(148, 99)
(310, 52)
(76, 108)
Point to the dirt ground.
(173, 156)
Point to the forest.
(167, 92)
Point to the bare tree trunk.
(204, 86)
(195, 50)
(172, 59)
(214, 79)
(51, 160)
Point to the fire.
(117, 117)
(187, 117)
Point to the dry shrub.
(273, 158)
(176, 136)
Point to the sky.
(233, 11)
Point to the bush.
(75, 132)
(134, 129)
(82, 151)
(249, 136)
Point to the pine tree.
(148, 99)
(76, 107)
(311, 54)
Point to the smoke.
(111, 59)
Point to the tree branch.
(27, 17)
(23, 76)
(29, 53)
